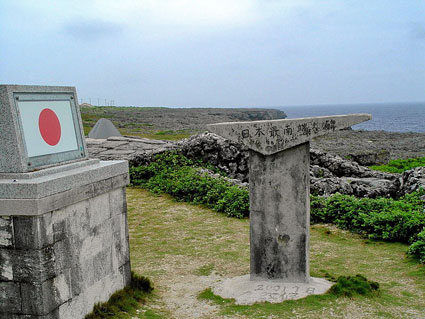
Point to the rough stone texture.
(366, 158)
(127, 148)
(269, 137)
(340, 167)
(247, 292)
(412, 180)
(331, 174)
(6, 229)
(222, 153)
(12, 145)
(59, 263)
(372, 147)
(280, 214)
(328, 173)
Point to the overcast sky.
(218, 52)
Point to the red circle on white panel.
(49, 126)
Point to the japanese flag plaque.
(46, 125)
(56, 206)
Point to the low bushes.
(381, 218)
(401, 165)
(387, 219)
(174, 174)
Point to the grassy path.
(184, 249)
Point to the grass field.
(184, 249)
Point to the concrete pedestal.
(279, 186)
(247, 292)
(63, 239)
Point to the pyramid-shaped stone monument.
(103, 129)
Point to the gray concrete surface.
(103, 128)
(247, 292)
(280, 215)
(61, 181)
(51, 170)
(63, 241)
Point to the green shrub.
(387, 219)
(174, 174)
(164, 162)
(401, 165)
(123, 301)
(382, 218)
(417, 248)
(349, 286)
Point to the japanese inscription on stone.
(269, 137)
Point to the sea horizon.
(391, 117)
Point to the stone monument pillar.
(63, 218)
(279, 186)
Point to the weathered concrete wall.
(59, 263)
(280, 214)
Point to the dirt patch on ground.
(181, 289)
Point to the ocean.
(394, 117)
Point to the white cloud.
(181, 12)
(185, 51)
(195, 13)
(155, 16)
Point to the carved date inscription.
(283, 292)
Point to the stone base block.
(248, 292)
(63, 240)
